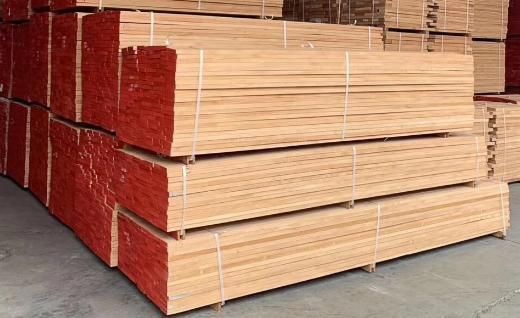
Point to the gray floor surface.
(45, 271)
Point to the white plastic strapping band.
(445, 14)
(502, 20)
(197, 110)
(220, 269)
(477, 159)
(184, 195)
(152, 27)
(373, 11)
(442, 43)
(284, 34)
(263, 9)
(100, 5)
(369, 38)
(467, 16)
(199, 4)
(422, 14)
(504, 225)
(378, 226)
(400, 38)
(354, 163)
(347, 84)
(397, 14)
(422, 42)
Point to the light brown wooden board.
(489, 66)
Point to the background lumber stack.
(66, 94)
(513, 48)
(491, 19)
(106, 34)
(40, 155)
(255, 8)
(6, 59)
(94, 200)
(395, 108)
(16, 10)
(489, 66)
(281, 250)
(504, 136)
(4, 124)
(18, 143)
(64, 168)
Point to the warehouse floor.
(45, 271)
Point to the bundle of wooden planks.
(504, 137)
(216, 190)
(258, 8)
(489, 66)
(491, 19)
(512, 63)
(396, 41)
(18, 143)
(64, 169)
(32, 42)
(4, 124)
(40, 155)
(189, 102)
(513, 22)
(6, 59)
(426, 42)
(454, 16)
(66, 96)
(106, 34)
(95, 212)
(16, 10)
(220, 263)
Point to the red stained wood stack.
(17, 10)
(64, 169)
(40, 156)
(18, 143)
(4, 124)
(513, 63)
(40, 75)
(6, 59)
(95, 203)
(22, 52)
(66, 95)
(40, 5)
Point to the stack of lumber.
(218, 190)
(21, 83)
(18, 143)
(16, 10)
(303, 97)
(396, 41)
(224, 262)
(257, 8)
(64, 168)
(6, 59)
(66, 95)
(489, 66)
(454, 16)
(490, 19)
(40, 155)
(41, 27)
(504, 133)
(106, 34)
(31, 80)
(4, 124)
(513, 63)
(513, 25)
(94, 200)
(445, 43)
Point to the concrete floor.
(45, 271)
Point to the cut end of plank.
(40, 155)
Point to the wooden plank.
(277, 251)
(106, 34)
(214, 190)
(254, 8)
(302, 97)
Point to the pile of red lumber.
(40, 156)
(18, 143)
(95, 216)
(513, 27)
(66, 95)
(16, 10)
(6, 59)
(513, 63)
(64, 168)
(4, 123)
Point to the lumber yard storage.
(203, 152)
